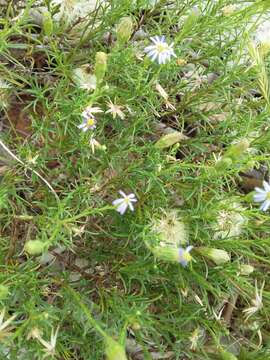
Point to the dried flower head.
(165, 96)
(195, 337)
(230, 222)
(115, 110)
(49, 347)
(170, 229)
(256, 302)
(94, 144)
(84, 78)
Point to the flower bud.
(223, 163)
(218, 256)
(225, 355)
(47, 23)
(114, 351)
(246, 269)
(3, 292)
(136, 326)
(124, 30)
(166, 253)
(170, 139)
(100, 66)
(190, 21)
(35, 247)
(237, 150)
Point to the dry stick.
(28, 167)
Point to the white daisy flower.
(160, 50)
(263, 196)
(89, 121)
(125, 202)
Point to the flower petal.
(122, 193)
(122, 208)
(259, 197)
(265, 205)
(117, 202)
(266, 186)
(259, 190)
(131, 206)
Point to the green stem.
(87, 313)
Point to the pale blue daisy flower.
(122, 204)
(184, 255)
(89, 120)
(160, 50)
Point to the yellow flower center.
(186, 256)
(268, 195)
(90, 122)
(126, 200)
(161, 48)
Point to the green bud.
(47, 23)
(100, 66)
(223, 163)
(114, 351)
(124, 30)
(190, 22)
(246, 269)
(237, 150)
(249, 197)
(225, 355)
(166, 253)
(170, 139)
(35, 247)
(218, 256)
(3, 292)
